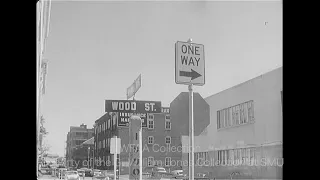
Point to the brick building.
(76, 136)
(159, 140)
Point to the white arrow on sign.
(190, 66)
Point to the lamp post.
(88, 157)
(93, 157)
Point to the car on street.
(100, 176)
(160, 170)
(81, 172)
(71, 175)
(110, 174)
(178, 174)
(95, 172)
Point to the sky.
(95, 51)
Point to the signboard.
(113, 145)
(129, 106)
(134, 87)
(124, 118)
(189, 63)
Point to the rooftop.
(248, 81)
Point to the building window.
(219, 157)
(167, 124)
(226, 116)
(218, 120)
(222, 119)
(168, 140)
(281, 99)
(245, 113)
(250, 111)
(114, 120)
(150, 124)
(150, 139)
(235, 115)
(151, 116)
(243, 155)
(247, 159)
(230, 116)
(231, 156)
(167, 161)
(150, 161)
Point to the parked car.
(100, 176)
(81, 172)
(178, 174)
(160, 170)
(71, 175)
(87, 172)
(95, 172)
(110, 174)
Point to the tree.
(44, 149)
(43, 130)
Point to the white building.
(245, 125)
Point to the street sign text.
(189, 63)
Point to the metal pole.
(115, 159)
(140, 151)
(191, 134)
(191, 130)
(93, 157)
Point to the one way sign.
(189, 66)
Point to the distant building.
(50, 159)
(76, 136)
(158, 138)
(83, 154)
(245, 131)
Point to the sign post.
(115, 156)
(135, 153)
(115, 150)
(190, 70)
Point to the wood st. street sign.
(190, 68)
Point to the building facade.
(244, 137)
(159, 141)
(83, 155)
(75, 139)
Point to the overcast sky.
(97, 49)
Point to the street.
(122, 177)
